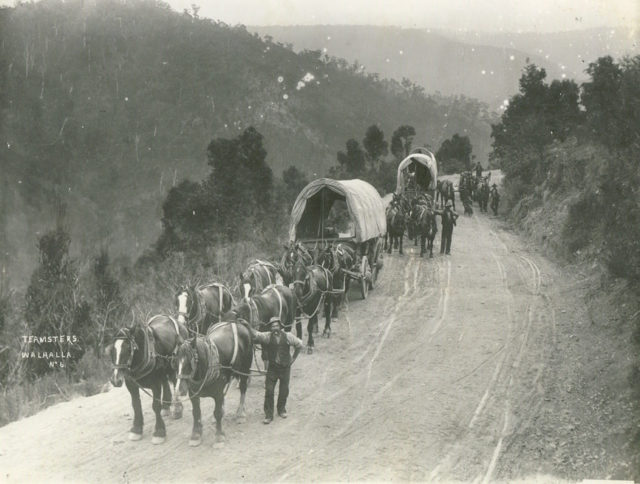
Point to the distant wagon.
(350, 212)
(417, 174)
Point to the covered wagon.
(343, 211)
(417, 174)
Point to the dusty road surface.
(438, 375)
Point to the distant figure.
(495, 198)
(478, 170)
(277, 343)
(448, 221)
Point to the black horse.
(141, 355)
(313, 288)
(258, 275)
(205, 366)
(200, 307)
(338, 259)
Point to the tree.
(401, 141)
(601, 99)
(228, 205)
(454, 154)
(352, 163)
(375, 145)
(53, 304)
(294, 181)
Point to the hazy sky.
(487, 15)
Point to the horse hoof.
(195, 442)
(157, 440)
(165, 412)
(176, 414)
(133, 436)
(309, 350)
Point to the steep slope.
(431, 59)
(105, 105)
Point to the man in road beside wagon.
(277, 344)
(448, 221)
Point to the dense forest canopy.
(106, 105)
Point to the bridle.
(188, 316)
(126, 336)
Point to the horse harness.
(306, 298)
(148, 362)
(213, 360)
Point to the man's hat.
(275, 321)
(494, 185)
(449, 204)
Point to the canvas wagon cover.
(366, 208)
(427, 160)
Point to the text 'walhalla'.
(54, 349)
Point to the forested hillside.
(106, 105)
(432, 59)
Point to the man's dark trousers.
(445, 240)
(275, 373)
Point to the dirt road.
(439, 375)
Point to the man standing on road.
(277, 343)
(448, 221)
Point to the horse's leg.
(166, 398)
(135, 433)
(177, 404)
(299, 328)
(219, 413)
(240, 414)
(401, 237)
(312, 321)
(327, 317)
(160, 433)
(423, 239)
(196, 432)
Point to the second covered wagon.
(343, 211)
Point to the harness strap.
(234, 328)
(220, 301)
(279, 302)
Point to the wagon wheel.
(364, 282)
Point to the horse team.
(210, 341)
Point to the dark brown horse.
(426, 227)
(495, 198)
(140, 355)
(313, 288)
(338, 259)
(396, 224)
(200, 307)
(274, 301)
(448, 193)
(258, 275)
(205, 366)
(483, 196)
